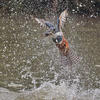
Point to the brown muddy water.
(30, 64)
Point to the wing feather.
(62, 18)
(41, 22)
(44, 23)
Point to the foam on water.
(49, 91)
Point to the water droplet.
(35, 30)
(3, 28)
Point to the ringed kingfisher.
(58, 36)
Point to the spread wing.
(44, 23)
(62, 19)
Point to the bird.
(59, 38)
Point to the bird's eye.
(58, 39)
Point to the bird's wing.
(44, 23)
(62, 19)
(40, 21)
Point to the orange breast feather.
(63, 46)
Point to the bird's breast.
(63, 46)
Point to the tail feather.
(69, 59)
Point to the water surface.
(30, 63)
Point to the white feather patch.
(58, 34)
(41, 22)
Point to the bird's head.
(57, 34)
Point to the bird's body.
(57, 34)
